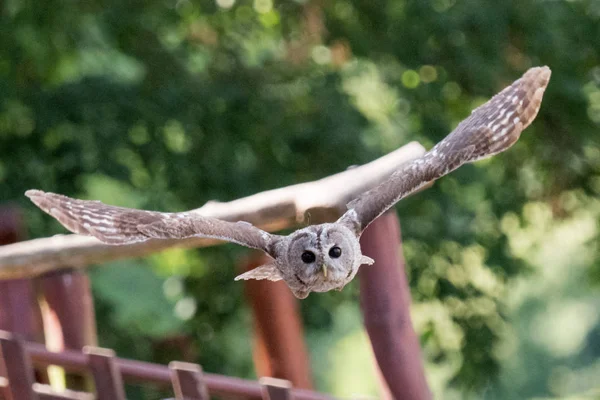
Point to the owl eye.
(335, 252)
(308, 257)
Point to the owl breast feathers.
(321, 257)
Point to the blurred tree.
(165, 105)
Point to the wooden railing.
(321, 200)
(19, 358)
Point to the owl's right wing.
(119, 225)
(490, 129)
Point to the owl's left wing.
(119, 225)
(490, 129)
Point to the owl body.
(321, 257)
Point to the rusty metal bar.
(385, 302)
(107, 376)
(276, 389)
(188, 381)
(139, 371)
(280, 350)
(19, 369)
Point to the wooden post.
(19, 369)
(4, 389)
(276, 389)
(188, 381)
(67, 309)
(385, 303)
(18, 306)
(107, 376)
(69, 312)
(279, 350)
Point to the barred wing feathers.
(490, 129)
(119, 225)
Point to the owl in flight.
(321, 257)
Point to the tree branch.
(321, 200)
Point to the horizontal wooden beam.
(321, 200)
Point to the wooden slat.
(139, 371)
(107, 377)
(62, 396)
(45, 392)
(18, 367)
(276, 389)
(19, 311)
(188, 381)
(4, 392)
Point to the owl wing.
(490, 129)
(119, 225)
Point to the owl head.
(317, 258)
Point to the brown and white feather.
(490, 129)
(120, 225)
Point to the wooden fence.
(19, 358)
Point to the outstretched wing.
(119, 225)
(490, 129)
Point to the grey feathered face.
(320, 258)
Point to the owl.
(327, 256)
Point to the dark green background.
(168, 104)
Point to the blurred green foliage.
(168, 104)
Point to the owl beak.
(324, 268)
